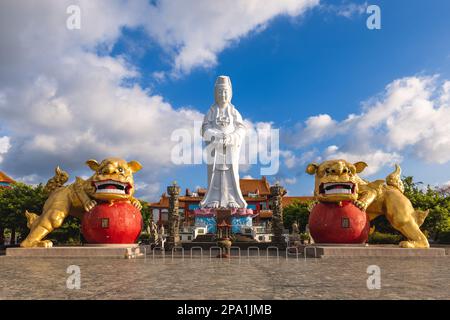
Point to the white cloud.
(290, 160)
(151, 190)
(62, 97)
(314, 129)
(375, 159)
(32, 179)
(412, 116)
(62, 104)
(4, 146)
(347, 10)
(195, 31)
(289, 181)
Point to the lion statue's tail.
(420, 215)
(31, 218)
(60, 178)
(394, 179)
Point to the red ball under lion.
(330, 222)
(116, 223)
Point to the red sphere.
(116, 223)
(331, 223)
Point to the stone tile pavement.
(331, 278)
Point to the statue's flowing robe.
(223, 161)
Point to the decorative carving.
(276, 196)
(173, 238)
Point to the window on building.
(263, 205)
(193, 206)
(200, 231)
(189, 238)
(345, 222)
(261, 238)
(156, 215)
(164, 216)
(105, 223)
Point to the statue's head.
(336, 180)
(113, 178)
(223, 90)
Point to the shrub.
(384, 238)
(444, 237)
(305, 236)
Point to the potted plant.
(305, 237)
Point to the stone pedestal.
(91, 251)
(361, 250)
(239, 217)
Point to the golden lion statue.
(338, 180)
(112, 180)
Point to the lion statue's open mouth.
(112, 187)
(337, 188)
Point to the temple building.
(5, 181)
(255, 191)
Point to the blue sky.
(285, 68)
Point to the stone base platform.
(118, 251)
(335, 251)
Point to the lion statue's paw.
(414, 244)
(44, 244)
(361, 205)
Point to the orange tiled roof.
(5, 178)
(260, 186)
(265, 214)
(164, 202)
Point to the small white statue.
(295, 229)
(223, 131)
(154, 232)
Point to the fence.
(290, 252)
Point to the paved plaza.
(245, 278)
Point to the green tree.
(437, 200)
(146, 213)
(20, 197)
(296, 212)
(68, 233)
(13, 203)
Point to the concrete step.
(325, 251)
(82, 251)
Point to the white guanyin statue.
(223, 131)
